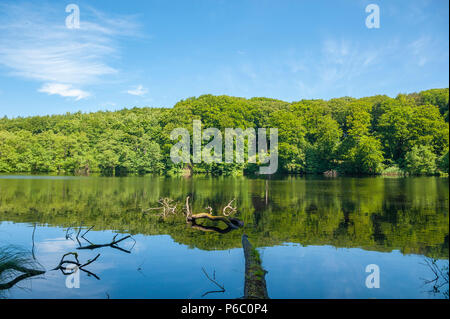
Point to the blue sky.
(155, 53)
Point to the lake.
(315, 236)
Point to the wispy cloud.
(419, 50)
(139, 91)
(35, 44)
(345, 60)
(338, 64)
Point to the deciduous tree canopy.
(356, 136)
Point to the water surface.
(315, 236)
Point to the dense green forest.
(370, 135)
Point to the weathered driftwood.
(255, 282)
(232, 223)
(166, 208)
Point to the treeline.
(370, 135)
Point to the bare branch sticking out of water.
(221, 287)
(232, 223)
(440, 279)
(167, 208)
(112, 244)
(229, 210)
(67, 271)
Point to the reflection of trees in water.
(16, 265)
(438, 280)
(408, 214)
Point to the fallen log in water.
(232, 223)
(255, 282)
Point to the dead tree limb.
(68, 236)
(229, 210)
(65, 270)
(167, 208)
(232, 223)
(440, 278)
(221, 287)
(32, 241)
(86, 232)
(112, 244)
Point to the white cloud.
(65, 90)
(139, 91)
(35, 44)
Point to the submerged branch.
(222, 288)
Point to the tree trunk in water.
(255, 282)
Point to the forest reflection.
(383, 214)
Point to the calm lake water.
(315, 236)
